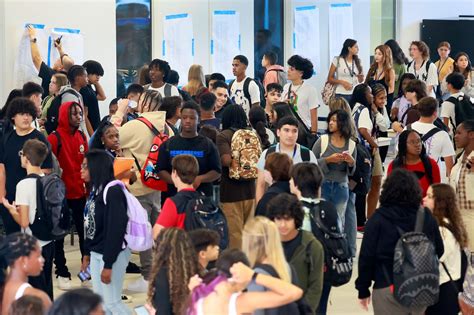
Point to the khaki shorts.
(377, 167)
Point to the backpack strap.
(40, 205)
(270, 150)
(324, 143)
(246, 90)
(167, 89)
(305, 154)
(59, 145)
(430, 134)
(149, 125)
(420, 219)
(352, 146)
(309, 256)
(110, 184)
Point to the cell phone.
(141, 310)
(85, 275)
(345, 152)
(132, 104)
(58, 40)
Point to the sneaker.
(126, 299)
(139, 285)
(86, 284)
(64, 283)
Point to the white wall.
(410, 14)
(95, 19)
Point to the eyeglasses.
(414, 142)
(20, 153)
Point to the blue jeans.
(111, 293)
(350, 228)
(337, 194)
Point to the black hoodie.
(380, 238)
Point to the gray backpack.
(415, 267)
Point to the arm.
(168, 217)
(224, 150)
(315, 279)
(19, 213)
(449, 161)
(67, 61)
(166, 176)
(215, 164)
(3, 177)
(254, 92)
(161, 299)
(100, 91)
(156, 230)
(365, 134)
(391, 82)
(35, 53)
(260, 185)
(314, 120)
(40, 294)
(89, 128)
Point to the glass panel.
(382, 22)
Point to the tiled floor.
(343, 300)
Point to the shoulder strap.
(270, 150)
(352, 146)
(420, 219)
(149, 125)
(110, 184)
(82, 135)
(409, 126)
(246, 90)
(357, 115)
(427, 65)
(324, 144)
(430, 134)
(167, 90)
(58, 137)
(305, 154)
(409, 64)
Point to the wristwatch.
(33, 40)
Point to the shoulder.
(114, 192)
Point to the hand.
(360, 77)
(10, 206)
(31, 31)
(106, 276)
(241, 273)
(85, 263)
(347, 85)
(194, 282)
(197, 182)
(348, 158)
(335, 158)
(364, 303)
(122, 106)
(470, 161)
(375, 110)
(151, 310)
(397, 126)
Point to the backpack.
(149, 170)
(325, 144)
(138, 235)
(247, 93)
(246, 150)
(429, 134)
(337, 256)
(52, 114)
(282, 76)
(463, 109)
(56, 167)
(304, 152)
(361, 180)
(166, 90)
(415, 267)
(52, 218)
(427, 67)
(202, 213)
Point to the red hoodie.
(71, 153)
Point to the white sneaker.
(126, 299)
(64, 283)
(86, 284)
(139, 285)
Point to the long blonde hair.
(260, 241)
(195, 79)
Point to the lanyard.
(414, 68)
(441, 68)
(294, 150)
(351, 71)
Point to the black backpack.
(415, 267)
(427, 135)
(52, 219)
(337, 256)
(361, 180)
(247, 93)
(202, 213)
(463, 109)
(52, 115)
(304, 152)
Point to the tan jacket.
(454, 178)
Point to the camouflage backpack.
(246, 150)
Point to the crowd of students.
(291, 197)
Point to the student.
(441, 200)
(185, 169)
(134, 91)
(69, 145)
(381, 71)
(415, 90)
(346, 70)
(422, 67)
(195, 80)
(21, 113)
(190, 142)
(237, 197)
(78, 302)
(272, 96)
(272, 70)
(207, 104)
(258, 121)
(401, 104)
(302, 250)
(412, 156)
(172, 106)
(303, 97)
(336, 103)
(216, 76)
(20, 254)
(455, 85)
(24, 208)
(206, 244)
(221, 291)
(399, 203)
(277, 176)
(58, 80)
(287, 133)
(63, 64)
(105, 227)
(92, 96)
(175, 262)
(238, 94)
(438, 145)
(462, 176)
(399, 63)
(444, 65)
(379, 93)
(305, 184)
(34, 92)
(462, 65)
(113, 106)
(158, 71)
(221, 91)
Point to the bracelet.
(254, 276)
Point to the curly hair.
(286, 206)
(401, 187)
(445, 207)
(174, 251)
(302, 64)
(21, 105)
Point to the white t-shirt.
(437, 146)
(238, 96)
(403, 105)
(307, 99)
(451, 256)
(161, 90)
(296, 156)
(364, 118)
(26, 196)
(448, 110)
(430, 78)
(346, 71)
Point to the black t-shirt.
(89, 96)
(200, 147)
(45, 73)
(215, 122)
(290, 247)
(10, 145)
(161, 296)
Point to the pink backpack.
(138, 236)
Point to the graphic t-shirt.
(238, 96)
